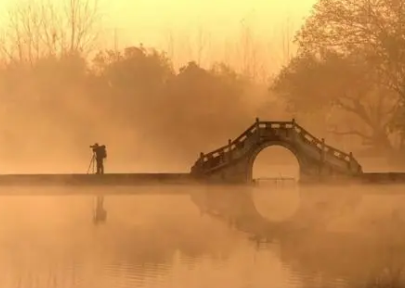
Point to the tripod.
(91, 165)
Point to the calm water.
(265, 236)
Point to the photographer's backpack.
(104, 151)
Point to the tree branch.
(350, 132)
(356, 108)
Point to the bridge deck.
(383, 178)
(118, 179)
(136, 179)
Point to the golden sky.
(219, 22)
(150, 18)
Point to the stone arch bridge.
(234, 161)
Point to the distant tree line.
(66, 98)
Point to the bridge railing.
(305, 136)
(232, 145)
(221, 155)
(312, 140)
(320, 144)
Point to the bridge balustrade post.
(201, 160)
(350, 160)
(257, 128)
(222, 157)
(293, 132)
(323, 149)
(322, 154)
(229, 150)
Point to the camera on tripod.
(99, 154)
(99, 150)
(94, 147)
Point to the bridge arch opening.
(269, 163)
(273, 162)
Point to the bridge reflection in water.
(202, 236)
(312, 242)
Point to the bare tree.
(248, 51)
(287, 39)
(202, 43)
(21, 38)
(190, 47)
(282, 47)
(36, 29)
(81, 17)
(170, 44)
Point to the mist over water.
(282, 236)
(61, 92)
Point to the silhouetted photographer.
(99, 154)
